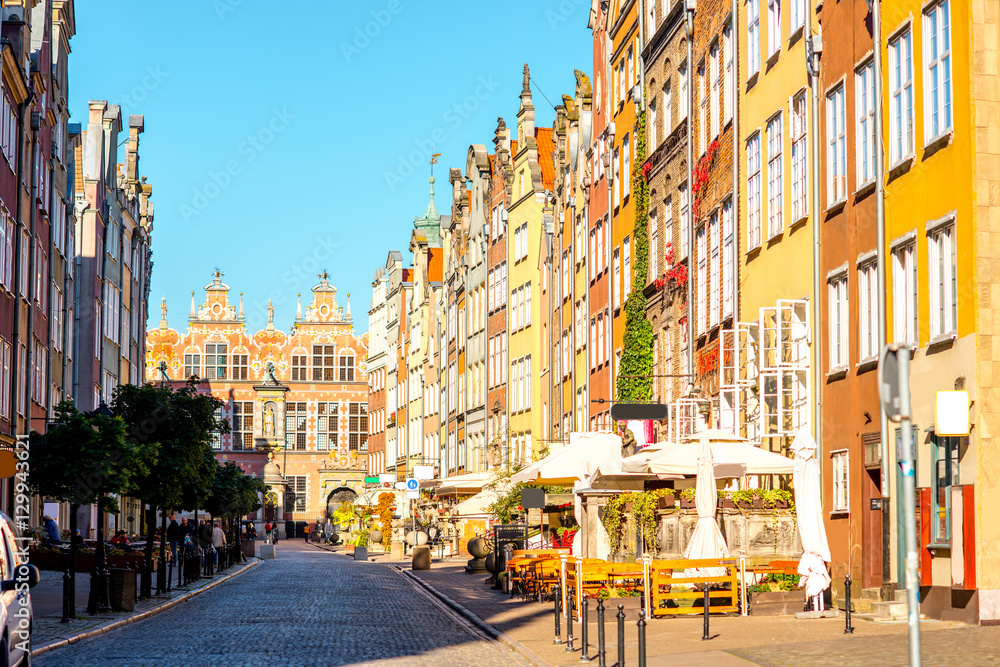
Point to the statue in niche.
(268, 421)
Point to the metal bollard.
(68, 612)
(585, 655)
(601, 650)
(557, 599)
(569, 623)
(642, 640)
(704, 634)
(849, 630)
(621, 636)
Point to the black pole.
(99, 575)
(847, 604)
(558, 598)
(642, 639)
(68, 612)
(704, 634)
(569, 622)
(621, 636)
(161, 570)
(601, 649)
(585, 654)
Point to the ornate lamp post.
(99, 603)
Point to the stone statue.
(268, 422)
(628, 443)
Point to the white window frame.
(701, 286)
(901, 96)
(868, 345)
(938, 100)
(753, 191)
(729, 87)
(775, 176)
(864, 113)
(942, 277)
(836, 145)
(797, 18)
(838, 313)
(905, 286)
(773, 28)
(753, 37)
(800, 156)
(715, 91)
(841, 478)
(728, 258)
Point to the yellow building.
(533, 176)
(942, 228)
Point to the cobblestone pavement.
(307, 607)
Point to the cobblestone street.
(308, 607)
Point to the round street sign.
(412, 484)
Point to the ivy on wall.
(637, 341)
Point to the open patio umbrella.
(476, 505)
(809, 511)
(707, 540)
(729, 452)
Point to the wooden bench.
(665, 575)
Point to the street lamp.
(99, 603)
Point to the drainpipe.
(18, 240)
(880, 268)
(736, 177)
(36, 120)
(586, 348)
(689, 24)
(817, 325)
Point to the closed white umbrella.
(707, 540)
(809, 510)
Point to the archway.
(338, 497)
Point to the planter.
(726, 503)
(778, 505)
(360, 553)
(666, 502)
(687, 504)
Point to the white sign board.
(952, 414)
(387, 481)
(412, 488)
(423, 472)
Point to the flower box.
(687, 504)
(726, 503)
(666, 502)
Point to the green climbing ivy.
(637, 341)
(643, 510)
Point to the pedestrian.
(172, 536)
(267, 533)
(305, 531)
(218, 541)
(251, 531)
(51, 530)
(183, 530)
(204, 539)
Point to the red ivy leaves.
(699, 176)
(676, 274)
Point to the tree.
(182, 422)
(83, 459)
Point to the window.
(654, 248)
(800, 172)
(685, 241)
(728, 88)
(773, 27)
(753, 37)
(192, 364)
(652, 123)
(217, 435)
(682, 102)
(946, 453)
(617, 178)
(836, 150)
(668, 112)
(626, 168)
(25, 250)
(864, 96)
(297, 484)
(713, 77)
(713, 269)
(701, 104)
(6, 250)
(728, 258)
(901, 96)
(868, 347)
(42, 276)
(215, 361)
(701, 285)
(838, 322)
(937, 71)
(323, 362)
(753, 191)
(5, 371)
(841, 497)
(241, 364)
(295, 426)
(943, 287)
(241, 425)
(327, 423)
(775, 178)
(616, 262)
(601, 355)
(904, 293)
(299, 362)
(798, 17)
(627, 264)
(346, 366)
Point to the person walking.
(267, 533)
(305, 531)
(218, 541)
(172, 536)
(183, 530)
(204, 540)
(51, 530)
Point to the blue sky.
(280, 143)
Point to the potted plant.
(725, 501)
(777, 499)
(687, 498)
(748, 499)
(361, 545)
(666, 500)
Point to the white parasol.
(707, 540)
(809, 510)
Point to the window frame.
(840, 498)
(753, 191)
(944, 93)
(775, 182)
(942, 302)
(838, 310)
(836, 145)
(901, 131)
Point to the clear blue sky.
(280, 138)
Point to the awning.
(460, 484)
(626, 481)
(733, 457)
(476, 505)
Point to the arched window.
(346, 366)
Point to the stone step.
(870, 594)
(889, 610)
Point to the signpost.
(412, 493)
(894, 390)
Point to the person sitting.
(120, 538)
(51, 530)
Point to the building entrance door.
(871, 529)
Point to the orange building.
(299, 398)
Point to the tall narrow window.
(300, 361)
(701, 104)
(215, 361)
(901, 96)
(868, 346)
(728, 258)
(753, 37)
(904, 294)
(798, 15)
(838, 322)
(323, 362)
(627, 267)
(946, 456)
(841, 497)
(357, 434)
(241, 364)
(773, 27)
(327, 424)
(682, 101)
(654, 247)
(937, 71)
(668, 111)
(683, 221)
(295, 426)
(800, 172)
(864, 99)
(616, 261)
(943, 288)
(617, 178)
(728, 88)
(701, 285)
(836, 149)
(626, 168)
(714, 79)
(753, 191)
(775, 178)
(192, 364)
(346, 367)
(714, 284)
(242, 425)
(651, 122)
